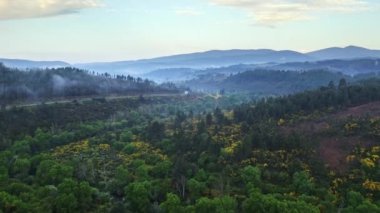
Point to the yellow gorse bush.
(368, 162)
(371, 185)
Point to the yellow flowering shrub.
(73, 148)
(104, 147)
(350, 158)
(350, 127)
(371, 185)
(368, 162)
(280, 122)
(375, 149)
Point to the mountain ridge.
(348, 52)
(30, 64)
(205, 59)
(199, 60)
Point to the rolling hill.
(348, 52)
(222, 59)
(201, 60)
(44, 84)
(347, 66)
(265, 82)
(28, 64)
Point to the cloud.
(21, 9)
(273, 12)
(187, 12)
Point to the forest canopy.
(43, 84)
(196, 153)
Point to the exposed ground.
(371, 109)
(333, 150)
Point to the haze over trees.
(270, 82)
(38, 84)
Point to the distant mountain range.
(220, 58)
(346, 66)
(270, 82)
(28, 64)
(209, 59)
(349, 52)
(202, 60)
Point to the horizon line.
(176, 54)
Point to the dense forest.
(266, 82)
(345, 66)
(314, 151)
(37, 84)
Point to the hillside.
(334, 149)
(223, 58)
(219, 59)
(43, 84)
(177, 75)
(265, 82)
(301, 152)
(189, 106)
(171, 74)
(28, 64)
(347, 66)
(348, 52)
(201, 60)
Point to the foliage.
(194, 154)
(16, 85)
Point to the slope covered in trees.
(197, 154)
(18, 86)
(266, 82)
(349, 67)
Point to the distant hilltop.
(208, 59)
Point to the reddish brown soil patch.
(334, 150)
(329, 151)
(322, 124)
(371, 109)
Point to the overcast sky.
(109, 30)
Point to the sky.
(79, 31)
